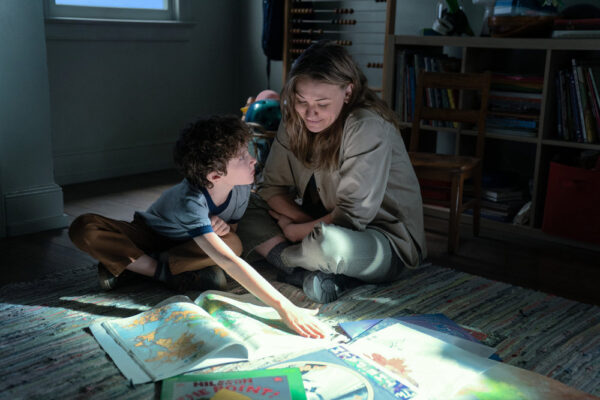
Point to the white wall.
(29, 197)
(118, 104)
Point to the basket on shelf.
(521, 25)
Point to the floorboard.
(559, 269)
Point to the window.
(112, 9)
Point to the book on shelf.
(410, 63)
(515, 102)
(517, 83)
(268, 384)
(578, 104)
(502, 194)
(577, 24)
(576, 34)
(178, 336)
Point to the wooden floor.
(553, 267)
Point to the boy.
(191, 227)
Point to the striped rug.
(47, 352)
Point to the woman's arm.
(296, 232)
(245, 275)
(285, 205)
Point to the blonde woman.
(339, 203)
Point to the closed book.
(576, 34)
(577, 24)
(576, 119)
(502, 194)
(588, 118)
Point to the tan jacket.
(375, 185)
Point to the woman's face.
(319, 104)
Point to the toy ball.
(264, 112)
(267, 94)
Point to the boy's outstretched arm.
(294, 317)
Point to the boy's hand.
(219, 226)
(302, 322)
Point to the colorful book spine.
(593, 105)
(575, 107)
(580, 100)
(564, 109)
(594, 76)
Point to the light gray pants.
(366, 255)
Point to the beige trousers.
(116, 244)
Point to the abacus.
(360, 25)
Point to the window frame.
(59, 11)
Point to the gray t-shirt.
(184, 211)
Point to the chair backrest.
(479, 82)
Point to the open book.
(178, 336)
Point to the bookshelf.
(528, 157)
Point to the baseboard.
(34, 209)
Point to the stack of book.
(501, 204)
(576, 28)
(514, 104)
(578, 102)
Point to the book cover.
(280, 384)
(429, 366)
(179, 336)
(337, 373)
(435, 325)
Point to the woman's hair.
(206, 146)
(328, 63)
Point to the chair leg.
(477, 205)
(453, 221)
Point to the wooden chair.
(452, 169)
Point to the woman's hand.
(288, 227)
(302, 321)
(220, 227)
(282, 220)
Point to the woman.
(338, 149)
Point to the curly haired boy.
(186, 238)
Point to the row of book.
(410, 64)
(514, 104)
(578, 102)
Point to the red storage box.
(572, 206)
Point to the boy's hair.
(206, 146)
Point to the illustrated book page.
(166, 341)
(259, 327)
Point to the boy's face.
(240, 169)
